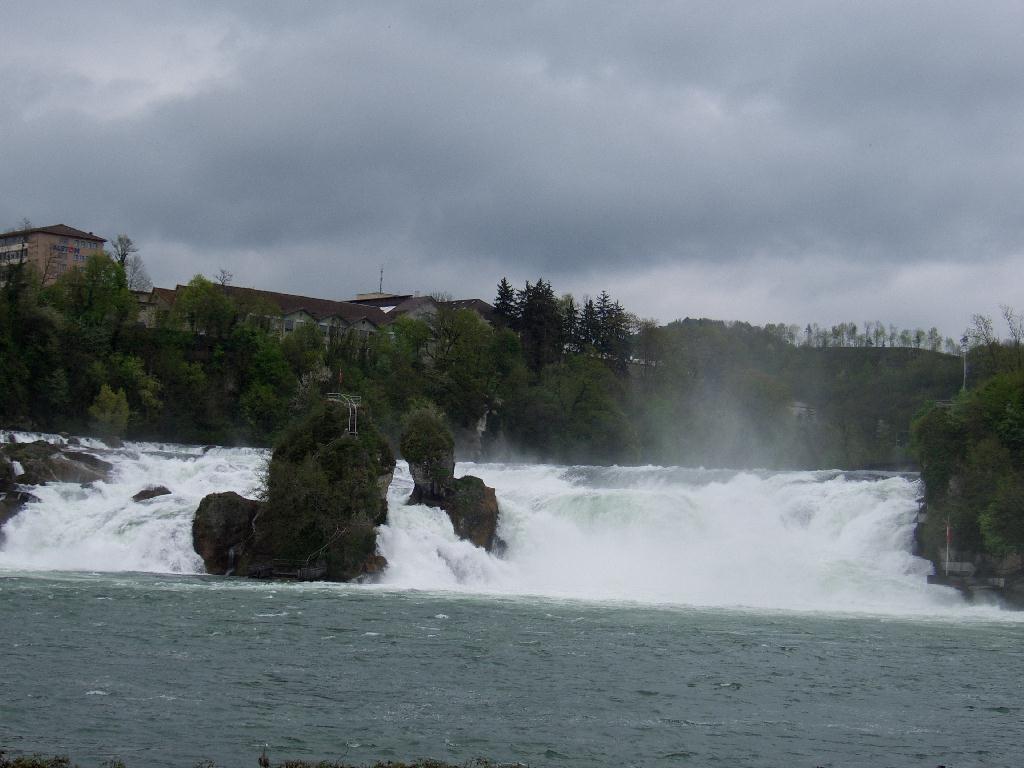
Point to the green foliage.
(205, 308)
(466, 365)
(556, 379)
(128, 373)
(573, 415)
(323, 497)
(264, 410)
(972, 463)
(95, 296)
(938, 439)
(109, 412)
(426, 440)
(303, 348)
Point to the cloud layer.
(787, 161)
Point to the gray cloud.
(302, 145)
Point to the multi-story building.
(51, 251)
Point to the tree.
(303, 348)
(570, 323)
(136, 275)
(1015, 324)
(123, 248)
(649, 344)
(851, 334)
(540, 325)
(589, 327)
(204, 308)
(981, 333)
(95, 296)
(505, 307)
(462, 377)
(879, 334)
(109, 412)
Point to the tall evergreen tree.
(506, 309)
(589, 324)
(570, 324)
(540, 325)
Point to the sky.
(768, 162)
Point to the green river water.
(171, 670)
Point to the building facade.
(50, 251)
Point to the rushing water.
(641, 616)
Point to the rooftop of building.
(60, 230)
(288, 303)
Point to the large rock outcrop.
(220, 529)
(44, 462)
(473, 510)
(472, 506)
(326, 491)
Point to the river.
(639, 616)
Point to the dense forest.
(552, 378)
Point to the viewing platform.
(353, 402)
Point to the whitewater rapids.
(820, 541)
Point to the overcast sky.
(783, 161)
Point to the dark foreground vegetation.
(551, 379)
(38, 761)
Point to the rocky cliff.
(472, 506)
(325, 493)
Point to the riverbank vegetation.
(971, 452)
(553, 378)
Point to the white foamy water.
(794, 540)
(824, 541)
(100, 528)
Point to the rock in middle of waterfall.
(472, 506)
(325, 493)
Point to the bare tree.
(224, 277)
(981, 333)
(123, 249)
(1015, 323)
(136, 275)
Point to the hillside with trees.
(553, 378)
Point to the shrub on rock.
(325, 494)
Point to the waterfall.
(831, 541)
